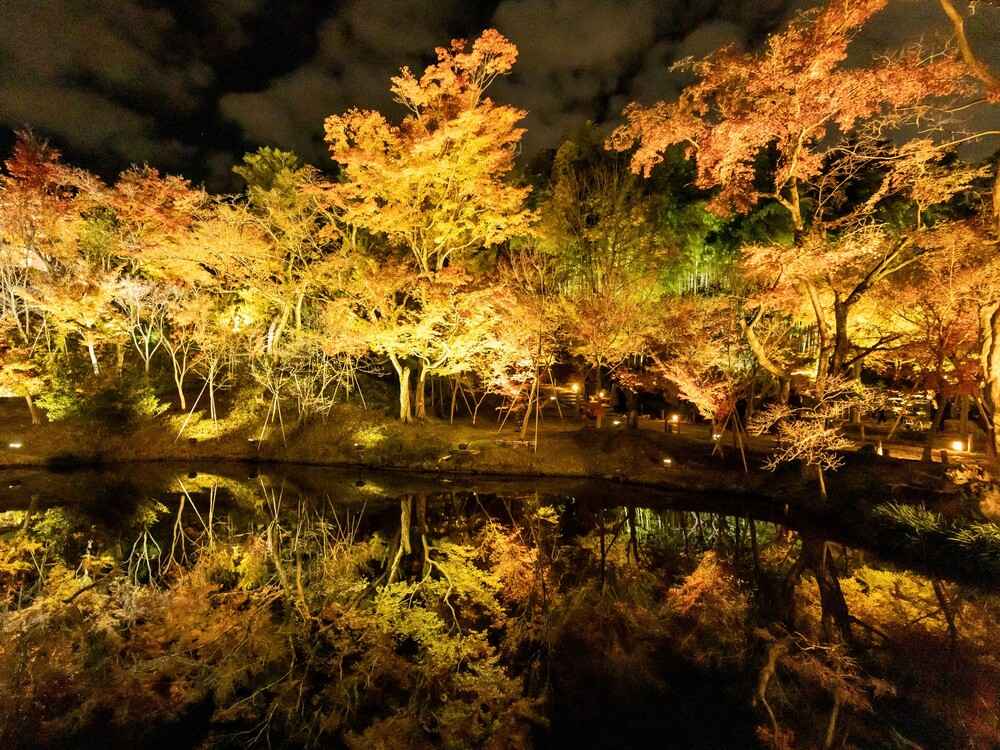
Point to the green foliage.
(292, 628)
(121, 403)
(61, 400)
(981, 541)
(916, 520)
(268, 169)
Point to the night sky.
(190, 86)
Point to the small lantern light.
(16, 444)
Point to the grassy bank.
(352, 436)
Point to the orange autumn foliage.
(434, 185)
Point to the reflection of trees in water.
(459, 619)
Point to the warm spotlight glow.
(552, 398)
(600, 394)
(575, 387)
(668, 461)
(716, 435)
(616, 422)
(957, 445)
(675, 418)
(369, 437)
(15, 445)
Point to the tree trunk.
(934, 430)
(93, 357)
(298, 310)
(35, 417)
(831, 726)
(823, 332)
(841, 344)
(632, 400)
(421, 393)
(822, 482)
(405, 413)
(785, 392)
(211, 392)
(179, 381)
(479, 402)
(832, 603)
(856, 411)
(178, 359)
(779, 373)
(533, 394)
(454, 399)
(990, 364)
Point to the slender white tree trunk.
(93, 357)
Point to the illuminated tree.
(44, 269)
(435, 185)
(380, 310)
(934, 310)
(598, 223)
(530, 328)
(820, 126)
(145, 305)
(963, 282)
(701, 352)
(811, 434)
(457, 323)
(19, 374)
(287, 203)
(82, 304)
(794, 97)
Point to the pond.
(237, 605)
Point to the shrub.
(121, 403)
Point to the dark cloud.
(908, 22)
(82, 71)
(189, 85)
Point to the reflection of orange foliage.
(714, 609)
(514, 563)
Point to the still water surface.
(232, 605)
